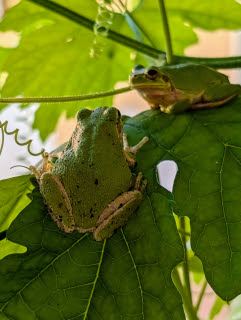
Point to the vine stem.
(185, 263)
(225, 63)
(201, 295)
(65, 98)
(191, 314)
(167, 35)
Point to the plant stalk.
(65, 98)
(191, 314)
(167, 35)
(224, 63)
(201, 295)
(185, 263)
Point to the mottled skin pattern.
(92, 174)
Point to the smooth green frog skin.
(177, 88)
(90, 187)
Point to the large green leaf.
(53, 60)
(13, 195)
(206, 146)
(73, 276)
(207, 15)
(8, 247)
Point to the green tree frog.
(90, 188)
(177, 88)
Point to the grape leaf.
(59, 62)
(7, 247)
(73, 276)
(206, 146)
(207, 15)
(13, 195)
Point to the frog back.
(93, 168)
(193, 78)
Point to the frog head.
(151, 77)
(150, 82)
(102, 125)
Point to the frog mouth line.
(149, 85)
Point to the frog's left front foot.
(132, 150)
(118, 211)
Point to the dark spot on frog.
(92, 216)
(91, 165)
(96, 181)
(60, 205)
(120, 205)
(77, 187)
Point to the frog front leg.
(118, 211)
(177, 107)
(131, 151)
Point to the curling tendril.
(3, 127)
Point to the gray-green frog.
(90, 187)
(177, 88)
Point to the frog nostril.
(152, 74)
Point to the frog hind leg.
(214, 97)
(118, 211)
(177, 107)
(57, 200)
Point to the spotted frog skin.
(90, 188)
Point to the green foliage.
(73, 276)
(8, 247)
(14, 197)
(205, 145)
(128, 276)
(53, 55)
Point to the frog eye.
(137, 67)
(152, 74)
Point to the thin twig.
(167, 35)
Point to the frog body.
(177, 88)
(90, 185)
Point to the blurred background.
(211, 44)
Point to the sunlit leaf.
(14, 197)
